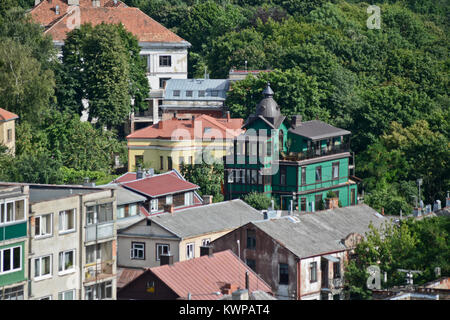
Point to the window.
(43, 267)
(253, 149)
(313, 272)
(281, 140)
(127, 210)
(318, 200)
(138, 160)
(103, 212)
(176, 93)
(154, 205)
(161, 248)
(230, 175)
(165, 61)
(180, 160)
(247, 180)
(14, 293)
(188, 198)
(254, 177)
(43, 225)
(190, 251)
(303, 204)
(93, 253)
(169, 199)
(138, 250)
(169, 163)
(67, 220)
(284, 273)
(337, 270)
(269, 148)
(13, 211)
(99, 291)
(178, 200)
(251, 239)
(66, 261)
(10, 260)
(303, 182)
(260, 177)
(9, 135)
(251, 263)
(214, 93)
(67, 295)
(319, 173)
(163, 82)
(201, 93)
(335, 170)
(282, 175)
(161, 162)
(205, 242)
(188, 93)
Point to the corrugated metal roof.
(203, 276)
(208, 218)
(125, 196)
(126, 275)
(316, 129)
(196, 85)
(322, 231)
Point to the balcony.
(99, 231)
(98, 271)
(316, 153)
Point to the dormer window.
(176, 93)
(201, 93)
(189, 93)
(214, 93)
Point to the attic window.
(214, 93)
(201, 93)
(189, 93)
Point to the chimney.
(193, 120)
(247, 280)
(168, 208)
(228, 288)
(207, 199)
(296, 120)
(241, 294)
(228, 116)
(139, 173)
(206, 250)
(166, 259)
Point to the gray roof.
(46, 193)
(125, 196)
(195, 85)
(214, 217)
(126, 222)
(322, 231)
(316, 129)
(10, 192)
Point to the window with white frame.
(230, 175)
(66, 261)
(10, 259)
(43, 225)
(190, 250)
(205, 242)
(43, 267)
(93, 253)
(161, 248)
(67, 220)
(67, 295)
(138, 250)
(99, 291)
(189, 198)
(13, 293)
(154, 205)
(169, 199)
(12, 211)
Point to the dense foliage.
(420, 245)
(259, 201)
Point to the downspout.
(82, 230)
(29, 251)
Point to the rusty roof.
(203, 276)
(126, 275)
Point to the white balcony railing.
(99, 231)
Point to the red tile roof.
(135, 21)
(5, 115)
(205, 275)
(165, 129)
(161, 184)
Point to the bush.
(259, 201)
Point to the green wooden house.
(13, 242)
(296, 162)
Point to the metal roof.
(208, 218)
(322, 231)
(203, 276)
(45, 193)
(125, 196)
(316, 129)
(196, 85)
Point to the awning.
(331, 258)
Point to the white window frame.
(230, 176)
(40, 235)
(64, 214)
(153, 205)
(206, 242)
(64, 270)
(3, 206)
(63, 293)
(192, 255)
(188, 198)
(159, 245)
(169, 199)
(11, 257)
(136, 248)
(45, 276)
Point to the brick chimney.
(207, 199)
(229, 288)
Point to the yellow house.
(8, 130)
(167, 144)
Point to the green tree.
(259, 201)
